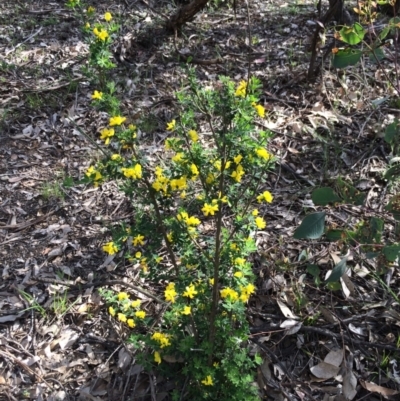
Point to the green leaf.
(68, 182)
(377, 54)
(346, 57)
(348, 193)
(337, 271)
(335, 235)
(323, 196)
(394, 207)
(391, 252)
(384, 32)
(392, 132)
(393, 173)
(314, 270)
(352, 35)
(334, 286)
(312, 227)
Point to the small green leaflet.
(391, 252)
(337, 271)
(323, 196)
(312, 227)
(346, 57)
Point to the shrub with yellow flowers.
(196, 216)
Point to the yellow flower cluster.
(238, 173)
(110, 248)
(134, 172)
(138, 240)
(94, 174)
(241, 89)
(126, 304)
(106, 134)
(100, 33)
(233, 295)
(265, 196)
(162, 339)
(190, 221)
(170, 293)
(190, 291)
(208, 381)
(208, 209)
(263, 153)
(162, 182)
(260, 223)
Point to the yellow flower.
(134, 172)
(211, 281)
(178, 157)
(218, 165)
(238, 274)
(193, 221)
(234, 246)
(208, 381)
(110, 248)
(87, 25)
(186, 310)
(122, 296)
(189, 266)
(210, 178)
(238, 173)
(97, 95)
(138, 255)
(91, 171)
(159, 259)
(241, 89)
(122, 318)
(265, 196)
(116, 157)
(140, 314)
(260, 223)
(108, 16)
(106, 134)
(157, 357)
(263, 153)
(170, 237)
(131, 323)
(193, 135)
(179, 183)
(246, 291)
(240, 261)
(136, 303)
(116, 120)
(209, 209)
(91, 10)
(102, 35)
(138, 240)
(161, 338)
(259, 109)
(111, 311)
(170, 293)
(229, 293)
(254, 212)
(190, 291)
(237, 159)
(194, 170)
(171, 125)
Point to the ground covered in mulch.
(57, 340)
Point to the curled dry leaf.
(374, 388)
(324, 370)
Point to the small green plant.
(33, 304)
(52, 190)
(366, 236)
(196, 212)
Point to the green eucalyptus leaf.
(346, 57)
(337, 271)
(391, 252)
(323, 196)
(312, 227)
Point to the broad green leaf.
(392, 132)
(346, 57)
(393, 173)
(312, 227)
(323, 196)
(335, 235)
(384, 32)
(391, 252)
(314, 270)
(337, 271)
(377, 54)
(352, 35)
(336, 286)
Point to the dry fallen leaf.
(374, 388)
(324, 370)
